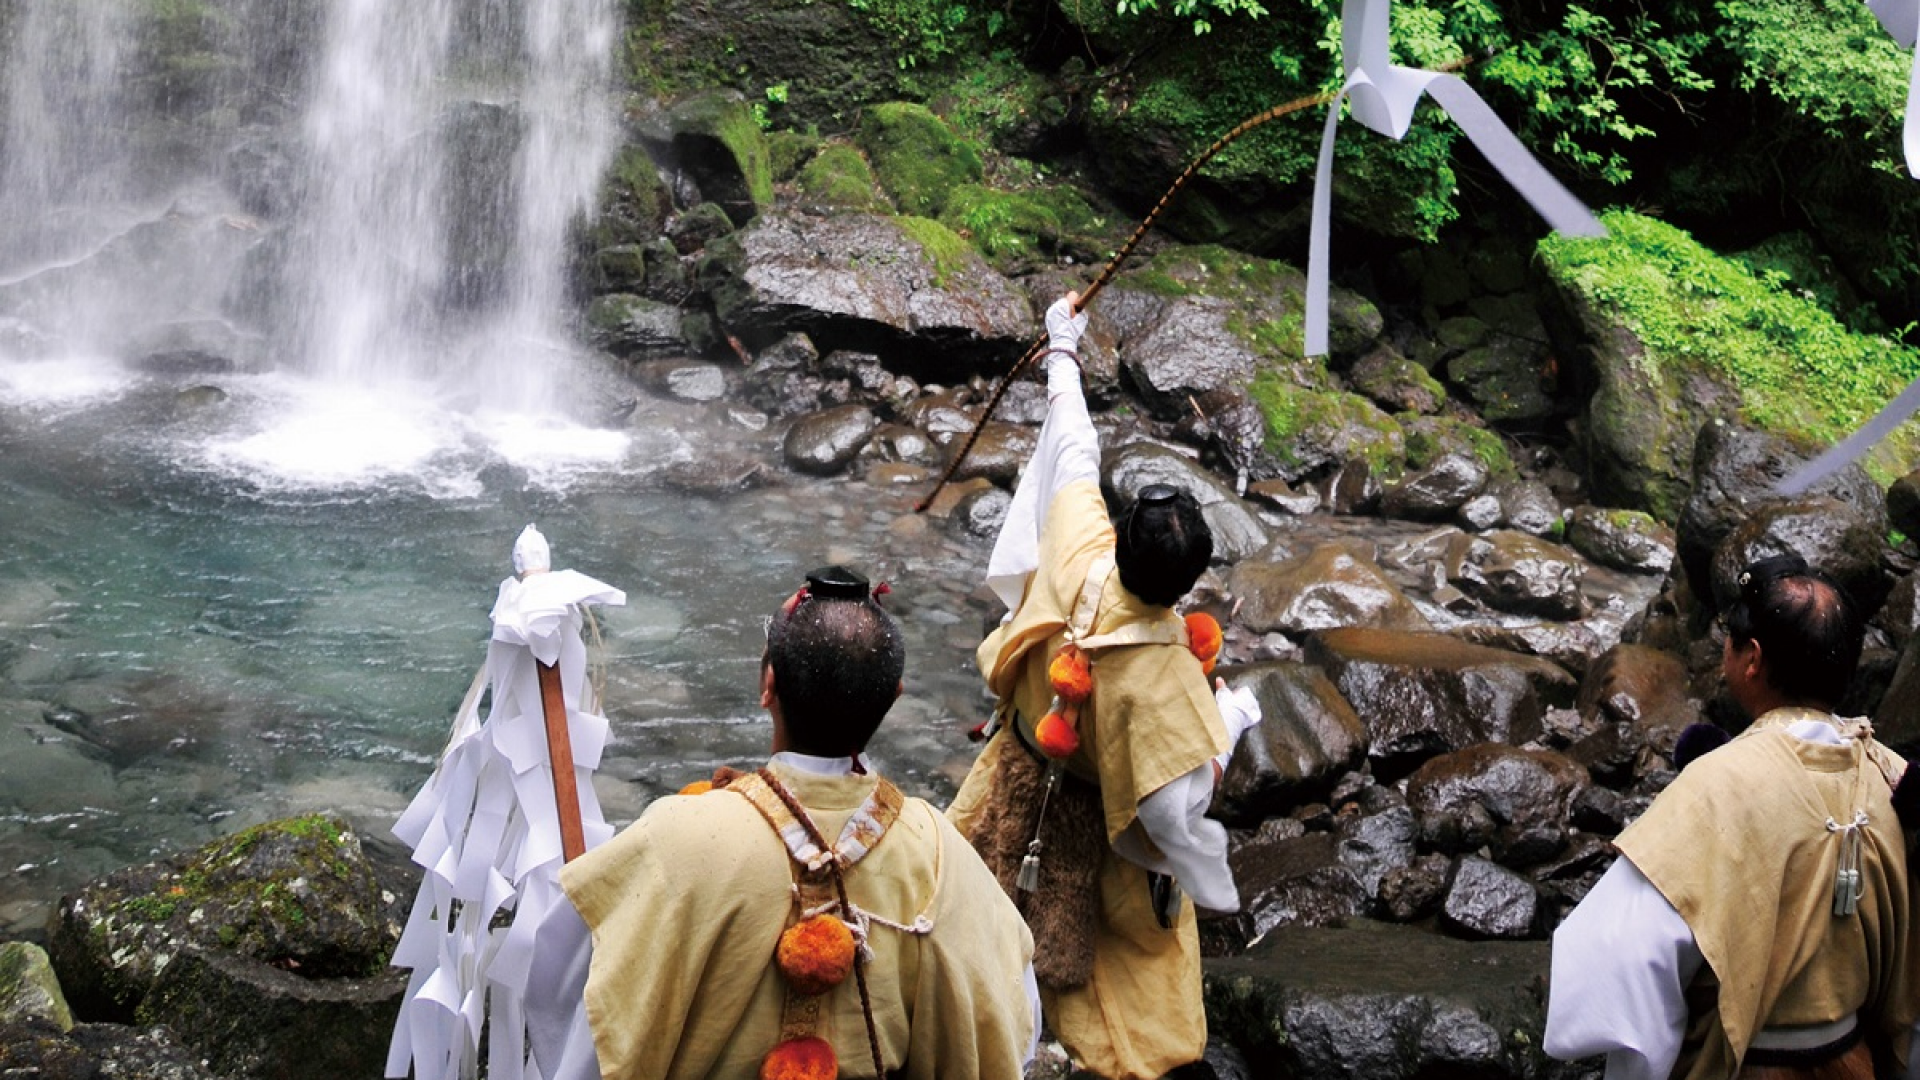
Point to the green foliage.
(1829, 61)
(923, 30)
(1800, 373)
(944, 248)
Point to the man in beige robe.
(685, 908)
(1121, 981)
(1759, 922)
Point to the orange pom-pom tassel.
(1071, 675)
(815, 955)
(698, 787)
(807, 1058)
(1056, 736)
(1204, 638)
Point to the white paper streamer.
(486, 832)
(1384, 95)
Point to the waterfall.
(366, 194)
(59, 170)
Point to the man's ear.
(767, 695)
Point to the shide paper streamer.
(1384, 96)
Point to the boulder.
(825, 443)
(877, 282)
(1734, 470)
(1643, 689)
(635, 327)
(1572, 645)
(1903, 504)
(40, 1050)
(1511, 800)
(1514, 572)
(1307, 736)
(1623, 539)
(999, 454)
(1437, 491)
(1528, 505)
(1381, 1002)
(1396, 383)
(1837, 537)
(1293, 881)
(29, 990)
(1333, 585)
(1421, 695)
(1372, 846)
(916, 157)
(1236, 533)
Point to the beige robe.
(1738, 844)
(686, 907)
(1151, 719)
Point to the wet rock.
(1900, 615)
(1837, 537)
(634, 327)
(982, 512)
(1480, 513)
(29, 990)
(916, 157)
(1307, 736)
(682, 379)
(718, 473)
(300, 894)
(1335, 584)
(39, 1050)
(1426, 694)
(1903, 504)
(1528, 505)
(482, 141)
(1573, 646)
(712, 138)
(1514, 572)
(1734, 471)
(190, 347)
(1598, 810)
(1436, 492)
(253, 1019)
(1503, 379)
(632, 211)
(1645, 690)
(1382, 1002)
(940, 413)
(827, 442)
(1412, 892)
(998, 455)
(865, 277)
(1487, 900)
(1623, 539)
(1293, 881)
(1375, 845)
(1396, 383)
(1524, 796)
(896, 442)
(1355, 488)
(1236, 534)
(1282, 495)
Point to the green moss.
(790, 151)
(150, 909)
(839, 176)
(1296, 415)
(1212, 270)
(1011, 228)
(945, 249)
(1800, 374)
(917, 158)
(1431, 437)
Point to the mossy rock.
(28, 987)
(1430, 438)
(1680, 335)
(714, 137)
(839, 177)
(1312, 431)
(790, 151)
(634, 201)
(1017, 230)
(917, 157)
(299, 893)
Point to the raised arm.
(1068, 452)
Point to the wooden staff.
(566, 794)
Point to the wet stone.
(1623, 539)
(825, 443)
(982, 512)
(1514, 572)
(1307, 736)
(1333, 585)
(1436, 492)
(1515, 801)
(1480, 513)
(1486, 900)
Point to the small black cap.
(1158, 494)
(837, 583)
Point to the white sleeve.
(1621, 964)
(557, 1028)
(1069, 450)
(1173, 835)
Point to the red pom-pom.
(1071, 675)
(816, 954)
(1056, 736)
(1204, 638)
(806, 1058)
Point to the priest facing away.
(799, 921)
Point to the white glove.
(1063, 326)
(1239, 711)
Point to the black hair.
(1162, 544)
(837, 661)
(1809, 630)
